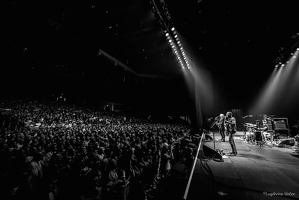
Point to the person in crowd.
(90, 185)
(124, 164)
(188, 162)
(36, 173)
(112, 182)
(166, 158)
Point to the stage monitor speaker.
(288, 141)
(282, 133)
(208, 152)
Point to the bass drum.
(249, 136)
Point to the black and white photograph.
(149, 100)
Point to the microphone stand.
(244, 130)
(212, 125)
(214, 139)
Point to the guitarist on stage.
(221, 127)
(230, 123)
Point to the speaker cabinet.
(281, 126)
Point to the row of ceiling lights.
(177, 47)
(164, 19)
(286, 53)
(293, 55)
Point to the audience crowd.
(51, 151)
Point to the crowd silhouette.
(51, 151)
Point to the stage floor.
(256, 173)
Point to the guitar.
(230, 125)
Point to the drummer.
(265, 129)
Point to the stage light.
(162, 14)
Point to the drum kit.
(250, 132)
(255, 134)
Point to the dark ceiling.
(235, 41)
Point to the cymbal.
(250, 125)
(247, 116)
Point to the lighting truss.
(285, 53)
(159, 8)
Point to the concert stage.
(257, 172)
